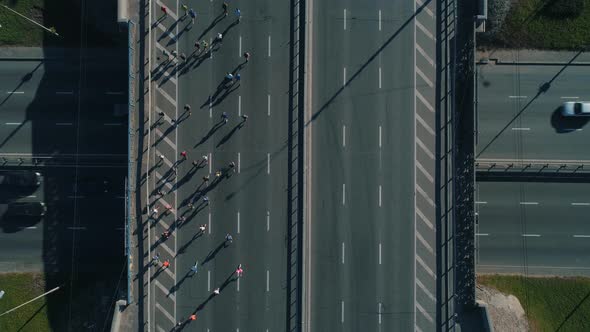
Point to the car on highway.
(26, 209)
(576, 108)
(23, 209)
(20, 178)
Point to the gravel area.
(505, 311)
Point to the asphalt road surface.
(517, 120)
(249, 201)
(59, 107)
(362, 229)
(528, 228)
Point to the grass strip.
(20, 288)
(551, 304)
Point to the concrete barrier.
(485, 316)
(116, 323)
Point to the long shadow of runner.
(227, 92)
(185, 246)
(214, 252)
(164, 134)
(230, 134)
(167, 32)
(158, 272)
(211, 296)
(210, 133)
(174, 288)
(213, 24)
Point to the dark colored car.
(26, 209)
(20, 178)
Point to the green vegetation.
(17, 31)
(542, 24)
(551, 304)
(19, 288)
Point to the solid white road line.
(379, 253)
(211, 43)
(379, 77)
(482, 234)
(529, 203)
(379, 30)
(238, 285)
(238, 222)
(569, 97)
(209, 223)
(521, 128)
(269, 46)
(380, 130)
(342, 311)
(267, 221)
(210, 109)
(240, 48)
(239, 105)
(344, 18)
(481, 202)
(531, 235)
(517, 97)
(268, 163)
(268, 104)
(582, 235)
(239, 162)
(210, 162)
(343, 193)
(580, 204)
(267, 280)
(379, 195)
(343, 136)
(208, 281)
(14, 123)
(15, 92)
(344, 76)
(342, 252)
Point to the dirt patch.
(505, 311)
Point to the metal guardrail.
(62, 160)
(533, 166)
(130, 161)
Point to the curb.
(116, 322)
(531, 63)
(485, 315)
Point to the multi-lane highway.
(362, 255)
(370, 145)
(533, 228)
(517, 121)
(59, 107)
(250, 200)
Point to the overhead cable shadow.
(371, 58)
